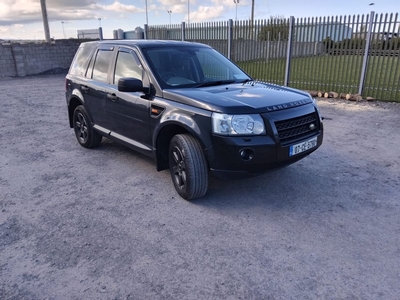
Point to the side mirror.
(128, 84)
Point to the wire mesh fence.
(343, 54)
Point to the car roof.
(147, 43)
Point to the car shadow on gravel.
(315, 184)
(283, 188)
(310, 185)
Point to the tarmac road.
(104, 224)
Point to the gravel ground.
(103, 224)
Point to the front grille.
(295, 129)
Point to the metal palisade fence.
(344, 54)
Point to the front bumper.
(227, 161)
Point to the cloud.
(119, 7)
(227, 3)
(4, 29)
(169, 3)
(68, 4)
(77, 14)
(204, 13)
(11, 30)
(29, 11)
(178, 9)
(25, 10)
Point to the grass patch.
(333, 73)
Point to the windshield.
(192, 67)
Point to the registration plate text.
(303, 146)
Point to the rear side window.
(100, 69)
(81, 61)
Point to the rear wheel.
(188, 167)
(84, 132)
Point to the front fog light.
(246, 154)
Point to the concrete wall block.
(21, 71)
(7, 66)
(30, 59)
(7, 72)
(18, 51)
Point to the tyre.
(188, 166)
(84, 132)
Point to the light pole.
(45, 20)
(236, 2)
(99, 19)
(252, 12)
(188, 13)
(169, 14)
(62, 22)
(147, 16)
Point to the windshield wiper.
(246, 81)
(212, 83)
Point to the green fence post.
(183, 31)
(146, 30)
(366, 53)
(289, 51)
(230, 37)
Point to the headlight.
(237, 124)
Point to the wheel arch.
(163, 138)
(75, 99)
(74, 102)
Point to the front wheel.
(84, 132)
(188, 167)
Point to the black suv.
(188, 107)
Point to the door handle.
(112, 97)
(84, 88)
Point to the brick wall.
(31, 59)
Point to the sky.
(22, 19)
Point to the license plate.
(303, 146)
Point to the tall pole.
(62, 22)
(252, 12)
(188, 13)
(147, 15)
(169, 13)
(236, 2)
(45, 21)
(251, 27)
(100, 30)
